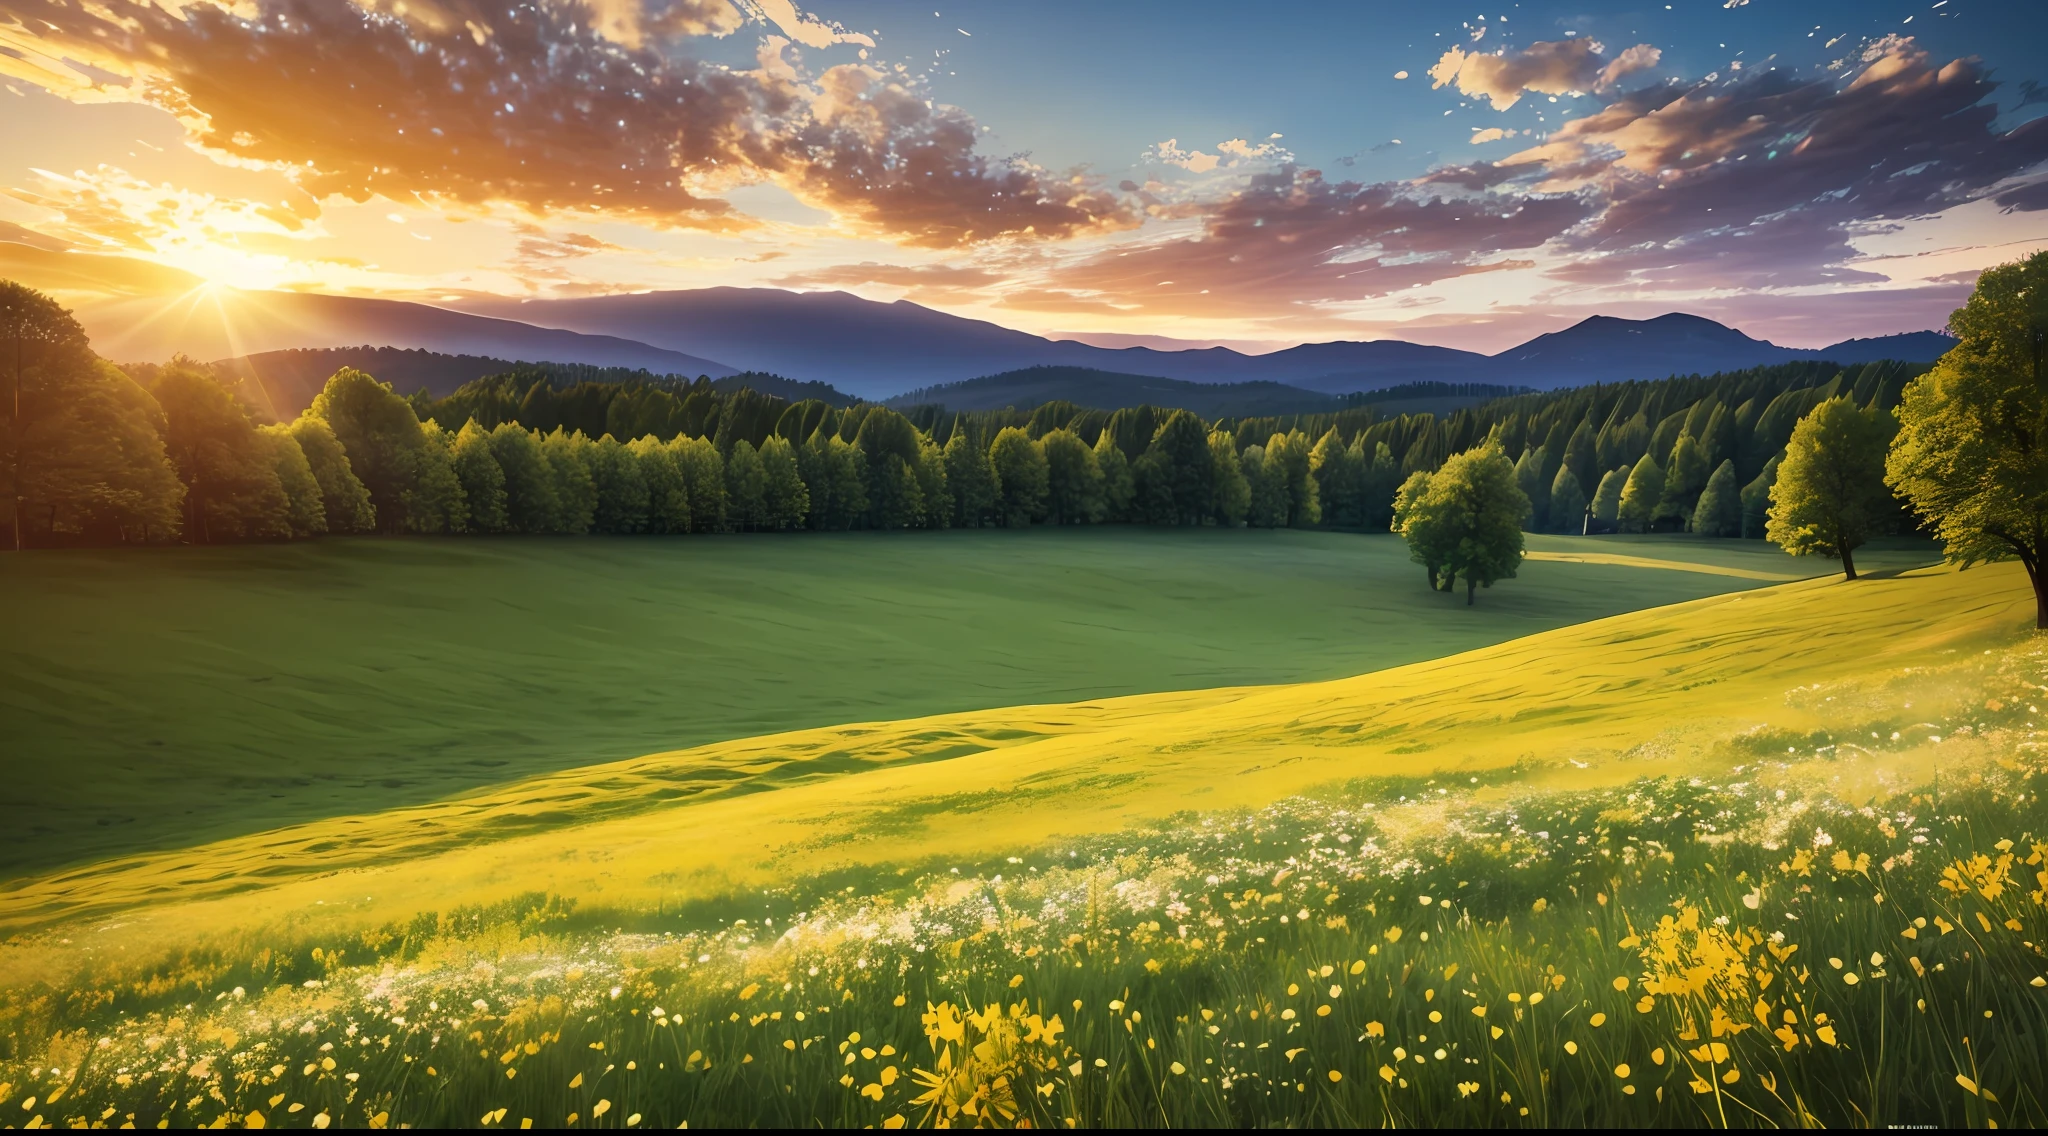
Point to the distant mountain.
(1108, 390)
(1910, 346)
(878, 350)
(224, 323)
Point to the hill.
(1672, 690)
(880, 350)
(261, 686)
(224, 323)
(1107, 390)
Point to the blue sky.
(1244, 173)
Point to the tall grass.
(1751, 949)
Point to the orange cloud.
(573, 109)
(1551, 68)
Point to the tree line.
(99, 454)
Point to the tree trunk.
(1469, 588)
(1433, 586)
(1848, 563)
(2040, 596)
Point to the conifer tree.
(1021, 477)
(1639, 497)
(1381, 481)
(933, 487)
(568, 459)
(1685, 477)
(785, 500)
(1233, 492)
(1073, 482)
(1606, 507)
(482, 478)
(1719, 512)
(531, 503)
(1529, 476)
(1756, 500)
(970, 477)
(434, 502)
(1339, 472)
(703, 473)
(668, 495)
(745, 486)
(1567, 502)
(1265, 497)
(1117, 491)
(621, 488)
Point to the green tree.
(668, 495)
(1478, 508)
(1175, 478)
(381, 436)
(932, 487)
(1830, 496)
(341, 492)
(305, 507)
(1567, 500)
(785, 500)
(1639, 497)
(482, 478)
(1339, 472)
(1972, 450)
(746, 486)
(1582, 453)
(1233, 492)
(1429, 538)
(434, 502)
(970, 477)
(1073, 482)
(1606, 507)
(1382, 480)
(1287, 465)
(1756, 499)
(1719, 512)
(1529, 475)
(1685, 477)
(531, 503)
(622, 497)
(232, 491)
(1117, 490)
(568, 458)
(1265, 497)
(1021, 477)
(703, 472)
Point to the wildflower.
(602, 1107)
(1597, 1020)
(1178, 1068)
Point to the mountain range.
(878, 351)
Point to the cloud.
(548, 110)
(1290, 239)
(1230, 154)
(1764, 182)
(1548, 67)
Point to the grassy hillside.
(1614, 874)
(1633, 695)
(165, 697)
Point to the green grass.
(163, 698)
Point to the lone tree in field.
(1972, 451)
(1830, 495)
(1467, 520)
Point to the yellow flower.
(1621, 1070)
(1178, 1068)
(1597, 1020)
(603, 1107)
(1335, 1076)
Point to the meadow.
(162, 698)
(1768, 856)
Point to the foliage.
(1719, 512)
(1466, 520)
(1972, 450)
(1640, 495)
(1830, 495)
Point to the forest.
(103, 454)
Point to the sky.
(1258, 175)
